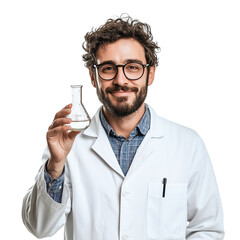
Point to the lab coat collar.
(156, 129)
(95, 125)
(102, 146)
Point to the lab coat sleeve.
(43, 216)
(205, 215)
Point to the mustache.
(117, 88)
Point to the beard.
(122, 108)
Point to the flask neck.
(76, 94)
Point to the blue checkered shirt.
(124, 150)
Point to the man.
(131, 174)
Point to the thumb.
(73, 134)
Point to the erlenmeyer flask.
(79, 115)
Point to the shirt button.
(125, 237)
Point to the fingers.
(60, 117)
(64, 112)
(58, 130)
(59, 122)
(73, 134)
(65, 128)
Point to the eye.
(107, 68)
(133, 67)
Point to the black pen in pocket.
(164, 187)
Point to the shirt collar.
(142, 127)
(107, 127)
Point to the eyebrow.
(133, 60)
(130, 60)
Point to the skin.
(59, 138)
(120, 52)
(60, 141)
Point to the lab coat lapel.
(101, 145)
(103, 148)
(147, 147)
(151, 142)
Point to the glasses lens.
(107, 71)
(133, 70)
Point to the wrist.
(54, 169)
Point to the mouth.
(121, 93)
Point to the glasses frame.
(123, 67)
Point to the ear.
(151, 75)
(92, 76)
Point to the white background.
(196, 84)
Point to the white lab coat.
(100, 203)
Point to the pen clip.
(164, 187)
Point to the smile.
(121, 93)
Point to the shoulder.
(171, 129)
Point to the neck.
(124, 125)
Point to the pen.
(164, 187)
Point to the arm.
(42, 215)
(54, 187)
(205, 213)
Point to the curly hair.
(115, 29)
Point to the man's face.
(120, 96)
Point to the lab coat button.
(125, 237)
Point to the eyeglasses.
(131, 70)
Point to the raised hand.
(60, 140)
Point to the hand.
(60, 141)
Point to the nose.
(120, 79)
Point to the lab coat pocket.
(167, 216)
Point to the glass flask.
(79, 115)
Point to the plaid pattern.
(54, 186)
(125, 149)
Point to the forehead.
(121, 51)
